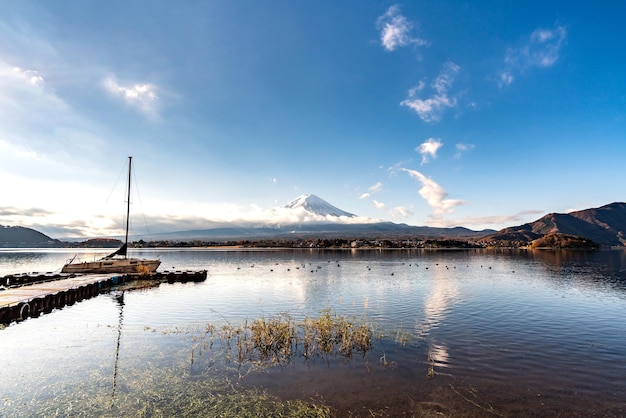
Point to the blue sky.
(443, 113)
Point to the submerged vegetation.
(162, 392)
(281, 339)
(207, 381)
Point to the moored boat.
(112, 265)
(118, 262)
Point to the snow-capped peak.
(316, 205)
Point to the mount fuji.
(316, 205)
(310, 216)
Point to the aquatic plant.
(274, 339)
(208, 379)
(281, 339)
(164, 392)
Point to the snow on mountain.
(317, 206)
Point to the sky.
(479, 114)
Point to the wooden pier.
(20, 301)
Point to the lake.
(453, 333)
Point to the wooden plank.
(31, 300)
(15, 295)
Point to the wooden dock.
(19, 302)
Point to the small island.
(564, 241)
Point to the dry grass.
(280, 339)
(144, 270)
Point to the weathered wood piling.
(30, 295)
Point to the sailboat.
(117, 262)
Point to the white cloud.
(401, 212)
(371, 190)
(434, 194)
(395, 30)
(29, 77)
(541, 50)
(19, 85)
(94, 221)
(143, 97)
(416, 89)
(446, 77)
(429, 149)
(20, 152)
(506, 78)
(493, 221)
(431, 109)
(223, 214)
(379, 205)
(545, 45)
(462, 148)
(34, 121)
(376, 188)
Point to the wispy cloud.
(379, 205)
(371, 190)
(35, 121)
(26, 102)
(401, 212)
(395, 30)
(493, 221)
(141, 96)
(432, 108)
(20, 75)
(462, 149)
(13, 211)
(434, 194)
(428, 149)
(376, 187)
(541, 50)
(19, 152)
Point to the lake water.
(454, 333)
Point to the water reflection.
(537, 330)
(593, 270)
(119, 299)
(443, 295)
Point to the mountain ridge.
(376, 230)
(23, 237)
(605, 225)
(325, 220)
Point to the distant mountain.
(378, 230)
(316, 205)
(318, 219)
(323, 221)
(605, 225)
(19, 236)
(99, 243)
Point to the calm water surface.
(457, 333)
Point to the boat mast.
(130, 160)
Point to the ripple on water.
(514, 330)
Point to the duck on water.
(117, 262)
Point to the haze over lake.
(461, 333)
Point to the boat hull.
(128, 265)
